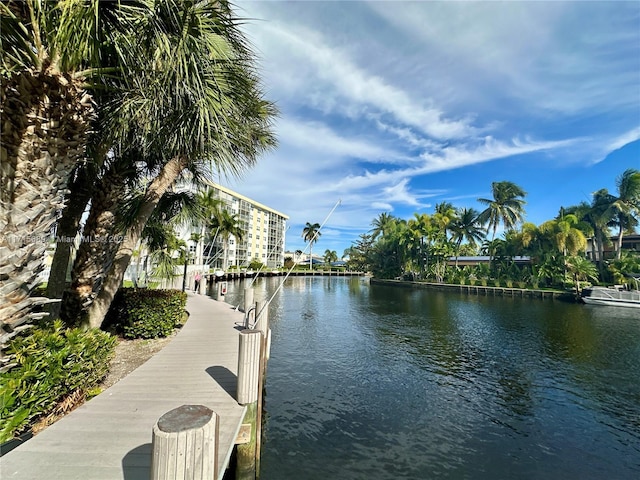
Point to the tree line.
(106, 107)
(424, 246)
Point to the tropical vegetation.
(107, 109)
(56, 369)
(108, 105)
(310, 234)
(553, 254)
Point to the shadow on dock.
(225, 378)
(135, 464)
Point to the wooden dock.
(109, 437)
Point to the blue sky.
(396, 106)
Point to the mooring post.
(262, 317)
(248, 366)
(185, 444)
(250, 354)
(267, 353)
(248, 299)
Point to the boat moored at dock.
(611, 297)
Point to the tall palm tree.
(227, 225)
(506, 207)
(466, 226)
(310, 234)
(424, 226)
(600, 216)
(53, 52)
(445, 213)
(210, 211)
(196, 105)
(627, 203)
(381, 224)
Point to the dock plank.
(109, 437)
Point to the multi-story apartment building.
(263, 236)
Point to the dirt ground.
(130, 354)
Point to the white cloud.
(370, 115)
(330, 81)
(385, 207)
(488, 149)
(317, 136)
(624, 139)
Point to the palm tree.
(211, 211)
(506, 207)
(196, 106)
(227, 226)
(310, 234)
(568, 239)
(163, 249)
(582, 269)
(381, 224)
(628, 263)
(330, 256)
(600, 215)
(627, 203)
(466, 226)
(445, 213)
(425, 228)
(53, 53)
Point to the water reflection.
(371, 382)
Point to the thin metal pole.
(291, 269)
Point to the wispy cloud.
(330, 81)
(623, 140)
(377, 102)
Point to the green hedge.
(146, 313)
(52, 362)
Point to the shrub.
(145, 313)
(53, 363)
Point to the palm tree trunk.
(619, 250)
(45, 119)
(97, 248)
(600, 242)
(68, 226)
(167, 177)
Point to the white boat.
(611, 297)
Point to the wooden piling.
(250, 360)
(262, 317)
(248, 298)
(185, 444)
(249, 366)
(246, 452)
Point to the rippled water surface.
(373, 382)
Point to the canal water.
(375, 382)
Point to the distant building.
(478, 259)
(303, 258)
(629, 242)
(263, 234)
